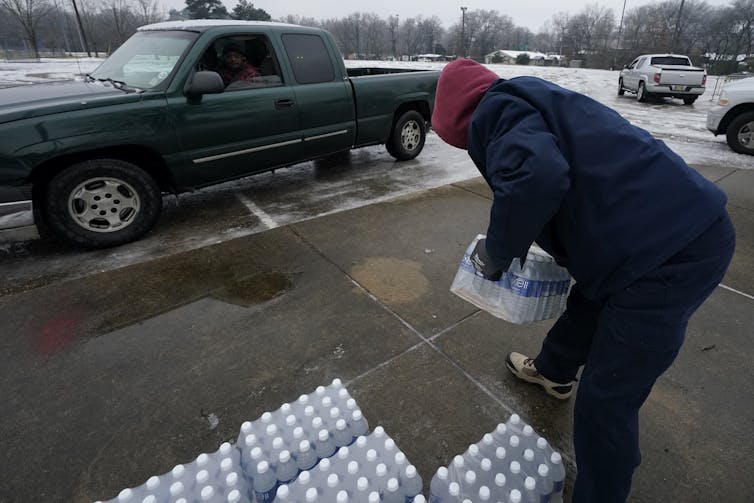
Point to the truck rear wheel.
(621, 91)
(641, 93)
(740, 133)
(101, 203)
(408, 136)
(688, 100)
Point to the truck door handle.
(284, 103)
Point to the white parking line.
(736, 291)
(258, 212)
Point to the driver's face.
(234, 59)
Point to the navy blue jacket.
(602, 196)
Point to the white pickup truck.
(670, 75)
(733, 115)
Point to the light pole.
(677, 28)
(463, 31)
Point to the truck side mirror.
(204, 82)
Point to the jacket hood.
(461, 87)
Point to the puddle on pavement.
(394, 281)
(254, 289)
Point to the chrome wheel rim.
(103, 204)
(745, 135)
(410, 135)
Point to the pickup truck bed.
(669, 75)
(182, 105)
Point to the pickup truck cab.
(733, 115)
(182, 105)
(670, 75)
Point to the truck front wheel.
(408, 136)
(101, 203)
(740, 133)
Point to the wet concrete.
(115, 376)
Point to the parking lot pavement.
(117, 376)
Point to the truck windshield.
(146, 59)
(670, 60)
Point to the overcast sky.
(530, 13)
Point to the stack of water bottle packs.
(534, 290)
(318, 449)
(511, 464)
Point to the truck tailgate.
(681, 76)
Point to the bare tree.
(28, 14)
(148, 12)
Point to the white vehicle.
(670, 75)
(733, 115)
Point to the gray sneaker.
(523, 367)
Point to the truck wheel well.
(420, 106)
(732, 114)
(144, 157)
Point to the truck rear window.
(309, 58)
(670, 60)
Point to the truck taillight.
(704, 81)
(657, 78)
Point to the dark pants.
(625, 343)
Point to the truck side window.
(309, 58)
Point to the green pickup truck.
(182, 105)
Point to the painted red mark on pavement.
(55, 335)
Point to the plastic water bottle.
(358, 425)
(235, 496)
(311, 495)
(515, 424)
(514, 496)
(333, 483)
(286, 469)
(342, 436)
(528, 465)
(374, 497)
(393, 492)
(126, 496)
(176, 490)
(544, 484)
(454, 491)
(362, 490)
(530, 493)
(439, 486)
(411, 482)
(342, 497)
(557, 472)
(469, 486)
(380, 477)
(208, 493)
(150, 498)
(528, 437)
(156, 486)
(265, 483)
(485, 475)
(283, 494)
(515, 477)
(484, 493)
(306, 458)
(499, 490)
(325, 444)
(303, 481)
(487, 446)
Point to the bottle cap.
(362, 484)
(555, 458)
(470, 477)
(542, 443)
(500, 480)
(337, 383)
(473, 450)
(530, 484)
(285, 408)
(308, 411)
(343, 394)
(381, 470)
(125, 495)
(332, 480)
(442, 473)
(246, 427)
(317, 423)
(207, 493)
(298, 432)
(334, 412)
(454, 489)
(371, 455)
(528, 455)
(343, 452)
(389, 444)
(283, 491)
(513, 441)
(271, 430)
(290, 420)
(340, 424)
(311, 494)
(266, 417)
(543, 470)
(528, 431)
(262, 467)
(232, 479)
(484, 493)
(515, 467)
(515, 496)
(304, 477)
(256, 453)
(284, 456)
(410, 471)
(320, 391)
(419, 498)
(303, 399)
(392, 485)
(176, 488)
(356, 415)
(501, 429)
(374, 497)
(350, 404)
(250, 440)
(486, 464)
(487, 439)
(342, 497)
(324, 465)
(500, 453)
(400, 458)
(234, 496)
(202, 476)
(327, 402)
(201, 460)
(323, 435)
(151, 498)
(361, 441)
(153, 482)
(458, 461)
(304, 446)
(277, 443)
(225, 449)
(379, 432)
(515, 419)
(353, 467)
(178, 471)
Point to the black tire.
(688, 100)
(101, 203)
(408, 136)
(621, 91)
(641, 93)
(740, 133)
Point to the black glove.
(483, 263)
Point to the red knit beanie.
(460, 89)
